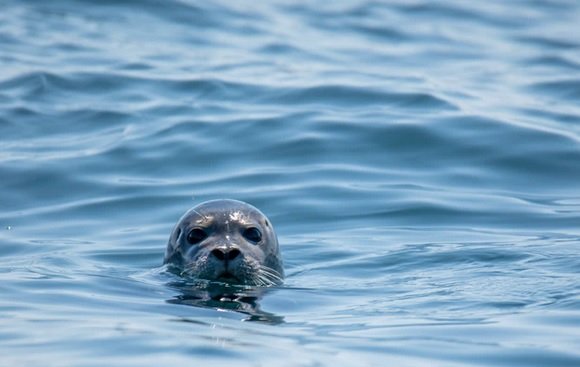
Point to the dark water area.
(419, 160)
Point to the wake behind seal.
(227, 241)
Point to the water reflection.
(227, 297)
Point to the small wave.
(340, 95)
(565, 88)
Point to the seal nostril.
(233, 253)
(225, 255)
(219, 254)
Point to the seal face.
(228, 241)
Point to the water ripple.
(420, 162)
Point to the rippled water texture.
(420, 161)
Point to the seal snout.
(229, 260)
(225, 255)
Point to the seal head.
(227, 241)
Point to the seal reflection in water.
(223, 296)
(227, 241)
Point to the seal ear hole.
(196, 235)
(177, 233)
(252, 234)
(267, 223)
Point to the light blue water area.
(420, 161)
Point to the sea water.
(420, 161)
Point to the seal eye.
(196, 235)
(253, 234)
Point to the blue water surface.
(420, 161)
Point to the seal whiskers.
(267, 276)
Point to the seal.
(228, 241)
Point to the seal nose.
(225, 254)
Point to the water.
(420, 161)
